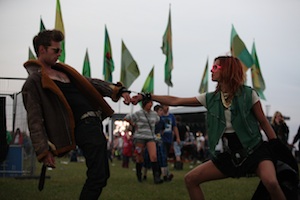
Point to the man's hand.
(126, 97)
(49, 160)
(137, 98)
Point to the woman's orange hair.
(232, 74)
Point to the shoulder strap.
(149, 123)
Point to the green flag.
(60, 26)
(239, 50)
(42, 26)
(108, 63)
(204, 82)
(149, 83)
(86, 70)
(167, 50)
(31, 55)
(257, 78)
(129, 68)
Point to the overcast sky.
(201, 29)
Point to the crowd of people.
(124, 146)
(66, 109)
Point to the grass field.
(65, 182)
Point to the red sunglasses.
(215, 68)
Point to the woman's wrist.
(146, 96)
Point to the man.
(178, 146)
(65, 109)
(167, 137)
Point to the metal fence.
(20, 160)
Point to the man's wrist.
(123, 90)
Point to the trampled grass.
(66, 180)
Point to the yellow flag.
(59, 25)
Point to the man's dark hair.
(156, 107)
(178, 118)
(45, 37)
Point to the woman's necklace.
(226, 102)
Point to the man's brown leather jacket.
(50, 118)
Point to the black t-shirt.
(182, 131)
(159, 126)
(78, 102)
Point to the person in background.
(190, 146)
(295, 140)
(170, 132)
(182, 130)
(127, 147)
(144, 122)
(159, 129)
(18, 137)
(120, 147)
(109, 149)
(116, 152)
(234, 113)
(280, 127)
(200, 144)
(65, 109)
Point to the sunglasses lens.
(215, 67)
(56, 50)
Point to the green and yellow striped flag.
(108, 63)
(86, 70)
(258, 82)
(129, 68)
(149, 83)
(204, 82)
(239, 50)
(42, 26)
(167, 50)
(31, 56)
(59, 25)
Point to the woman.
(280, 127)
(234, 114)
(127, 147)
(144, 122)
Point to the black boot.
(178, 165)
(156, 173)
(138, 167)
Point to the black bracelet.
(146, 96)
(122, 90)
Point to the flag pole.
(131, 109)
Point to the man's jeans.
(91, 140)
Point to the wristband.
(146, 96)
(122, 90)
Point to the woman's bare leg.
(151, 146)
(267, 174)
(204, 172)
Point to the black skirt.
(235, 164)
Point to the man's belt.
(91, 114)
